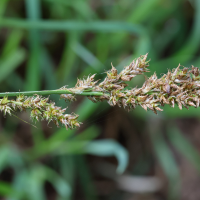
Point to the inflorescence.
(180, 86)
(40, 110)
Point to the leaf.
(11, 62)
(168, 163)
(85, 178)
(12, 43)
(184, 146)
(98, 148)
(33, 73)
(101, 26)
(109, 148)
(88, 57)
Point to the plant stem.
(16, 103)
(49, 92)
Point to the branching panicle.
(180, 86)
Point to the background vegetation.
(46, 44)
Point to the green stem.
(49, 92)
(15, 102)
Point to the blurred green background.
(46, 44)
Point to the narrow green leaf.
(85, 178)
(48, 70)
(88, 134)
(68, 58)
(3, 157)
(168, 163)
(50, 145)
(62, 187)
(101, 26)
(192, 44)
(33, 73)
(69, 175)
(12, 43)
(142, 10)
(109, 148)
(88, 57)
(9, 64)
(184, 146)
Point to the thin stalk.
(49, 92)
(15, 102)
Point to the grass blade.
(168, 163)
(9, 64)
(185, 147)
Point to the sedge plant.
(180, 86)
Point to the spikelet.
(40, 110)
